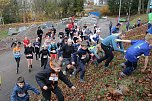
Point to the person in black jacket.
(67, 31)
(29, 50)
(36, 45)
(40, 34)
(67, 51)
(15, 42)
(48, 81)
(44, 56)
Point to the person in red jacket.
(26, 41)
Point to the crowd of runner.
(68, 53)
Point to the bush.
(104, 10)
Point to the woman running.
(17, 55)
(36, 45)
(26, 41)
(29, 50)
(44, 56)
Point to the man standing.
(39, 34)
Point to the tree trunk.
(148, 9)
(139, 6)
(143, 6)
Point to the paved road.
(8, 68)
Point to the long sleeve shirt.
(110, 42)
(44, 78)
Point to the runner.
(20, 90)
(53, 32)
(15, 42)
(138, 48)
(67, 51)
(67, 31)
(17, 55)
(81, 60)
(115, 29)
(48, 81)
(26, 41)
(44, 56)
(36, 45)
(40, 34)
(109, 45)
(29, 50)
(97, 51)
(95, 38)
(53, 50)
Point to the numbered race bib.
(45, 56)
(37, 46)
(83, 57)
(21, 94)
(53, 51)
(53, 77)
(29, 55)
(17, 53)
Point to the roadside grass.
(3, 34)
(133, 19)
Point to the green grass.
(133, 19)
(3, 34)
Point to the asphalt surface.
(8, 67)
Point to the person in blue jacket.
(108, 45)
(149, 31)
(138, 48)
(20, 90)
(95, 38)
(115, 29)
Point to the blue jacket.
(110, 42)
(21, 94)
(149, 30)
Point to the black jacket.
(42, 78)
(39, 33)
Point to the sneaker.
(29, 70)
(96, 63)
(123, 65)
(122, 75)
(81, 80)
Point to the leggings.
(17, 61)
